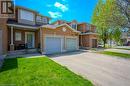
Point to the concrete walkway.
(35, 55)
(1, 60)
(102, 70)
(119, 50)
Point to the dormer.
(74, 24)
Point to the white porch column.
(12, 39)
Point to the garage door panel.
(0, 41)
(71, 44)
(52, 45)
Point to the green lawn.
(38, 72)
(123, 55)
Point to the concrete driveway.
(102, 70)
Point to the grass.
(123, 55)
(38, 72)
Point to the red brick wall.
(82, 27)
(86, 40)
(4, 29)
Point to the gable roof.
(56, 26)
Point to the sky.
(80, 10)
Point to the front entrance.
(0, 41)
(94, 43)
(29, 39)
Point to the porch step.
(21, 52)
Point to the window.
(88, 27)
(26, 15)
(39, 19)
(74, 26)
(129, 34)
(18, 36)
(44, 20)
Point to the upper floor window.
(74, 26)
(39, 19)
(27, 15)
(88, 27)
(44, 19)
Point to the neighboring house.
(31, 30)
(88, 36)
(126, 38)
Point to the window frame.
(44, 20)
(38, 19)
(17, 38)
(26, 15)
(75, 25)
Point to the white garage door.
(53, 45)
(71, 44)
(0, 41)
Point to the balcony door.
(29, 39)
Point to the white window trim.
(26, 15)
(44, 21)
(39, 19)
(74, 24)
(18, 38)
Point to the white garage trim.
(73, 37)
(53, 36)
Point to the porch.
(23, 39)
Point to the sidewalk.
(119, 51)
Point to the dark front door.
(94, 43)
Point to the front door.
(29, 39)
(94, 43)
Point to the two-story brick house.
(31, 30)
(88, 36)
